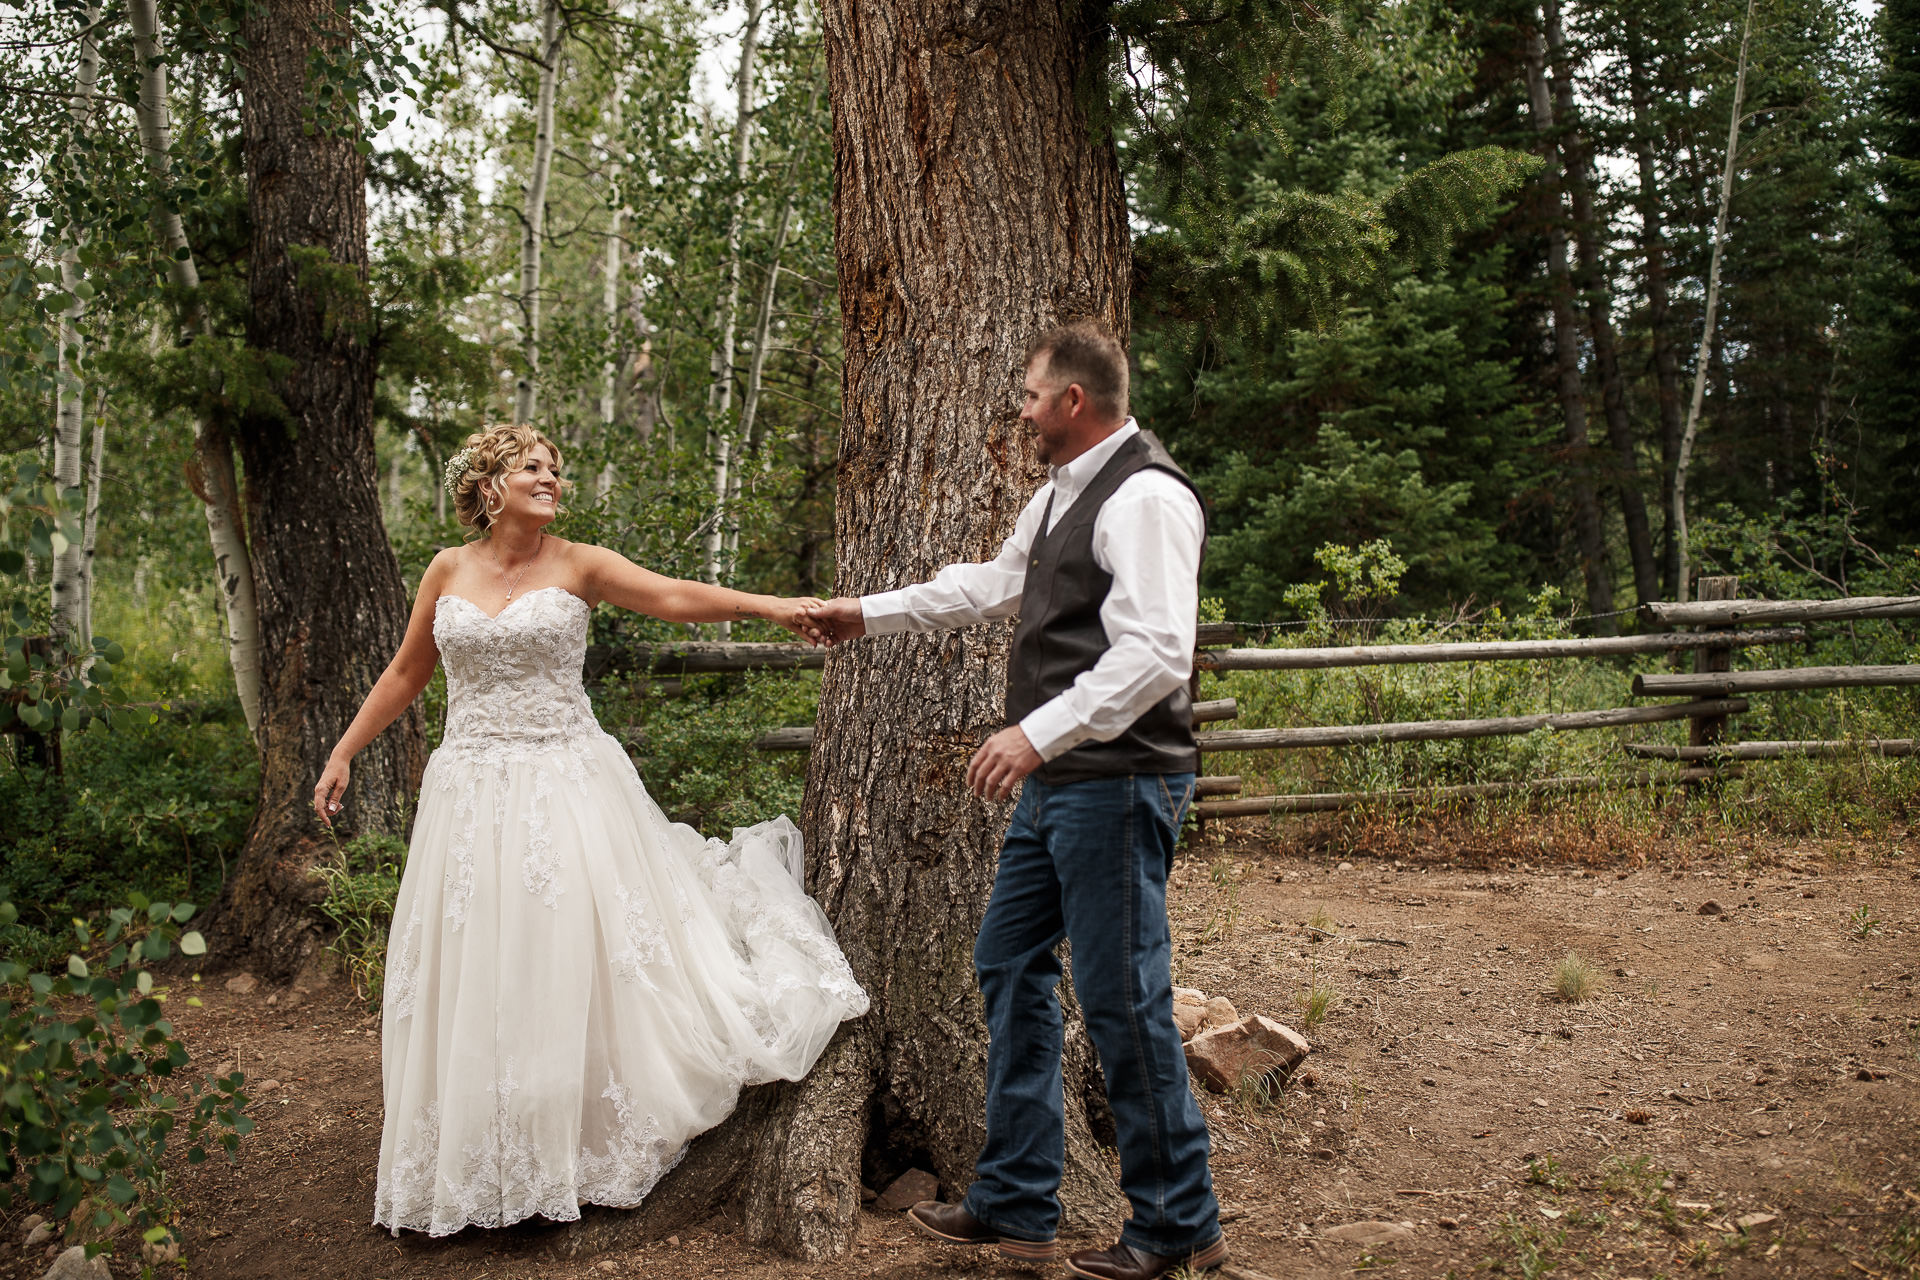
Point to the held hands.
(796, 615)
(837, 620)
(328, 791)
(1000, 763)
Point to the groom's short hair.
(1083, 351)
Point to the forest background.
(616, 222)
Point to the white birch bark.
(610, 266)
(69, 585)
(1685, 456)
(533, 221)
(226, 531)
(720, 396)
(90, 525)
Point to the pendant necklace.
(515, 584)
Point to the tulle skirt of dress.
(577, 986)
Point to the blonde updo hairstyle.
(495, 454)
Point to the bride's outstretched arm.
(619, 581)
(408, 673)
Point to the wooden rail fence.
(1710, 694)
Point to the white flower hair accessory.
(456, 467)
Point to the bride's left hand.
(795, 614)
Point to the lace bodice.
(514, 680)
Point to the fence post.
(1705, 731)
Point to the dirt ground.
(1761, 1060)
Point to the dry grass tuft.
(1574, 979)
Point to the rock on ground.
(907, 1190)
(75, 1265)
(1252, 1047)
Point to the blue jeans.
(1088, 861)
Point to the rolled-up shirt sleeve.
(961, 594)
(1148, 535)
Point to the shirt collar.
(1072, 477)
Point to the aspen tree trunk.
(533, 221)
(610, 265)
(69, 584)
(216, 484)
(333, 607)
(726, 480)
(90, 524)
(1597, 297)
(1588, 533)
(1685, 456)
(1653, 249)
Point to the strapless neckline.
(495, 617)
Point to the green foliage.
(94, 1079)
(696, 751)
(362, 884)
(48, 683)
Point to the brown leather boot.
(1124, 1262)
(954, 1225)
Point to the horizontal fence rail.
(1763, 750)
(1358, 735)
(1328, 802)
(1720, 683)
(1712, 693)
(1727, 613)
(1375, 655)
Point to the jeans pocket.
(1172, 804)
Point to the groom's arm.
(960, 595)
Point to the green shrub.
(94, 1080)
(362, 885)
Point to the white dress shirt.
(1147, 535)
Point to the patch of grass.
(1546, 1172)
(1861, 924)
(1317, 1000)
(1320, 923)
(361, 888)
(1532, 1249)
(1646, 1183)
(1575, 980)
(1226, 910)
(1900, 1251)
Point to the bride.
(575, 985)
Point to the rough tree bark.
(974, 205)
(333, 607)
(1592, 283)
(1588, 533)
(215, 482)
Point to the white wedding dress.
(575, 985)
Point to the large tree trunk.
(216, 485)
(973, 207)
(1597, 297)
(333, 608)
(1653, 248)
(1588, 533)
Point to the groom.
(1103, 571)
